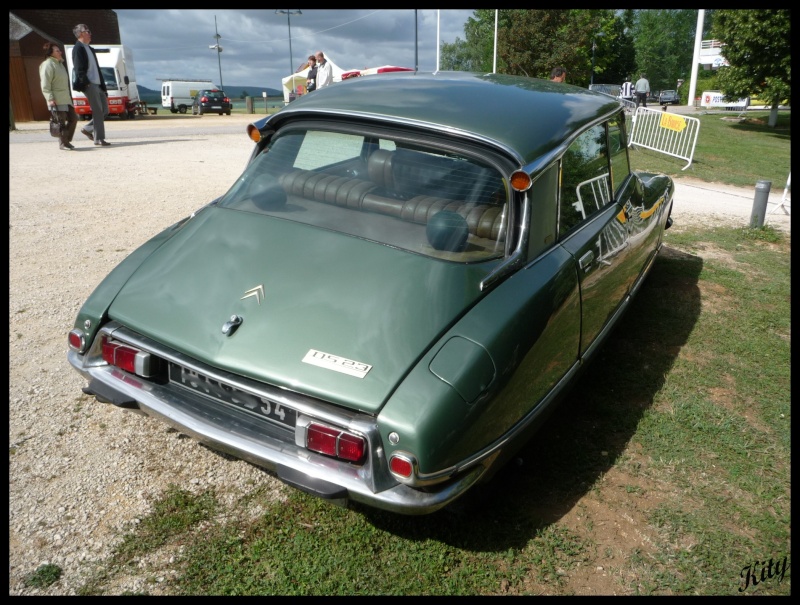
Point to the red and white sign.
(715, 98)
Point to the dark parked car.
(669, 97)
(211, 101)
(389, 300)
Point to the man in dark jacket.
(88, 80)
(311, 77)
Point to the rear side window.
(585, 182)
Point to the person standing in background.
(324, 71)
(626, 90)
(89, 81)
(559, 74)
(311, 77)
(642, 90)
(54, 80)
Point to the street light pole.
(218, 48)
(289, 14)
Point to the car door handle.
(585, 262)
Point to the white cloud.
(172, 43)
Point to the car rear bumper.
(270, 447)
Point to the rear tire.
(182, 109)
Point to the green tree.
(476, 53)
(533, 41)
(757, 45)
(619, 52)
(664, 43)
(244, 94)
(461, 56)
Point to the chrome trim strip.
(516, 257)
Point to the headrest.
(379, 168)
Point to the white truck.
(178, 95)
(116, 68)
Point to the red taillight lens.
(204, 99)
(350, 447)
(121, 356)
(76, 340)
(227, 100)
(333, 442)
(400, 466)
(132, 360)
(108, 351)
(322, 439)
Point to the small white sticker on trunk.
(336, 363)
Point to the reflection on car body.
(391, 298)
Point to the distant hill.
(153, 97)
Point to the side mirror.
(127, 80)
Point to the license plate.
(216, 107)
(213, 389)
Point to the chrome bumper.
(272, 447)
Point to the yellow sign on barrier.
(672, 122)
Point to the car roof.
(529, 118)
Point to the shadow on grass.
(564, 458)
(760, 124)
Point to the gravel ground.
(80, 472)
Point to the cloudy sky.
(174, 43)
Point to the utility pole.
(289, 14)
(416, 42)
(218, 48)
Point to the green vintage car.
(385, 305)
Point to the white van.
(177, 95)
(116, 67)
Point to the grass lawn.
(665, 472)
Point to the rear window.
(416, 197)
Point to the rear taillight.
(204, 99)
(335, 442)
(119, 355)
(401, 466)
(226, 100)
(76, 340)
(131, 359)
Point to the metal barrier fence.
(630, 106)
(786, 201)
(668, 133)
